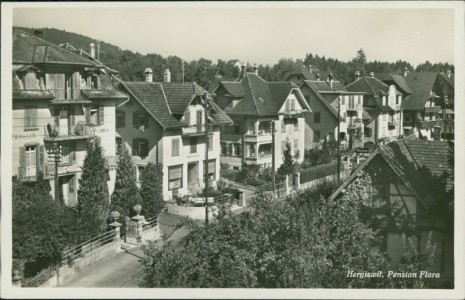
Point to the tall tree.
(93, 199)
(126, 193)
(152, 190)
(289, 163)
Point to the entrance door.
(63, 121)
(31, 162)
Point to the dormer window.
(94, 83)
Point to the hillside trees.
(93, 199)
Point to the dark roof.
(258, 97)
(399, 81)
(449, 80)
(316, 87)
(421, 85)
(325, 86)
(424, 166)
(99, 94)
(151, 97)
(369, 85)
(32, 94)
(164, 100)
(31, 49)
(305, 73)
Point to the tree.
(126, 192)
(152, 190)
(93, 199)
(301, 243)
(289, 164)
(42, 228)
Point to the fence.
(81, 250)
(318, 172)
(40, 278)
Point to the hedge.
(319, 171)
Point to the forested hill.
(132, 65)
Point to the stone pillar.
(16, 279)
(140, 221)
(288, 189)
(297, 181)
(242, 200)
(116, 226)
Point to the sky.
(257, 34)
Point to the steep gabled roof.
(179, 95)
(316, 87)
(305, 73)
(426, 167)
(370, 85)
(399, 80)
(325, 86)
(150, 95)
(421, 85)
(258, 97)
(448, 79)
(31, 49)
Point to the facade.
(325, 98)
(412, 192)
(164, 122)
(62, 98)
(382, 109)
(254, 104)
(429, 103)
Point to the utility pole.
(338, 141)
(182, 71)
(205, 104)
(444, 114)
(273, 160)
(55, 157)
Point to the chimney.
(405, 72)
(330, 79)
(38, 33)
(148, 75)
(442, 71)
(372, 74)
(255, 69)
(317, 76)
(357, 75)
(244, 70)
(448, 73)
(310, 68)
(167, 75)
(92, 50)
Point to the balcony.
(354, 123)
(293, 114)
(194, 130)
(353, 106)
(428, 124)
(392, 125)
(260, 136)
(71, 132)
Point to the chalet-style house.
(62, 98)
(412, 192)
(306, 73)
(164, 122)
(253, 104)
(429, 103)
(382, 109)
(325, 99)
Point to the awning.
(174, 172)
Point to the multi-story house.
(60, 99)
(164, 122)
(412, 193)
(382, 109)
(429, 100)
(326, 99)
(254, 104)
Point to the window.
(343, 101)
(384, 117)
(292, 104)
(252, 150)
(296, 145)
(175, 147)
(94, 82)
(316, 117)
(237, 149)
(120, 118)
(140, 170)
(72, 185)
(193, 145)
(175, 177)
(31, 161)
(367, 131)
(119, 143)
(140, 118)
(94, 115)
(30, 118)
(397, 100)
(223, 148)
(141, 147)
(210, 142)
(211, 170)
(296, 125)
(283, 126)
(316, 136)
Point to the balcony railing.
(194, 130)
(36, 172)
(353, 106)
(54, 132)
(293, 113)
(355, 123)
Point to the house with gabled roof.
(429, 100)
(382, 109)
(59, 98)
(306, 73)
(164, 122)
(412, 193)
(254, 104)
(326, 99)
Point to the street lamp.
(206, 99)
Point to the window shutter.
(240, 150)
(145, 150)
(76, 85)
(187, 117)
(134, 146)
(60, 86)
(101, 114)
(27, 117)
(57, 116)
(40, 159)
(22, 157)
(135, 120)
(73, 152)
(288, 105)
(230, 146)
(71, 113)
(87, 113)
(292, 104)
(211, 166)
